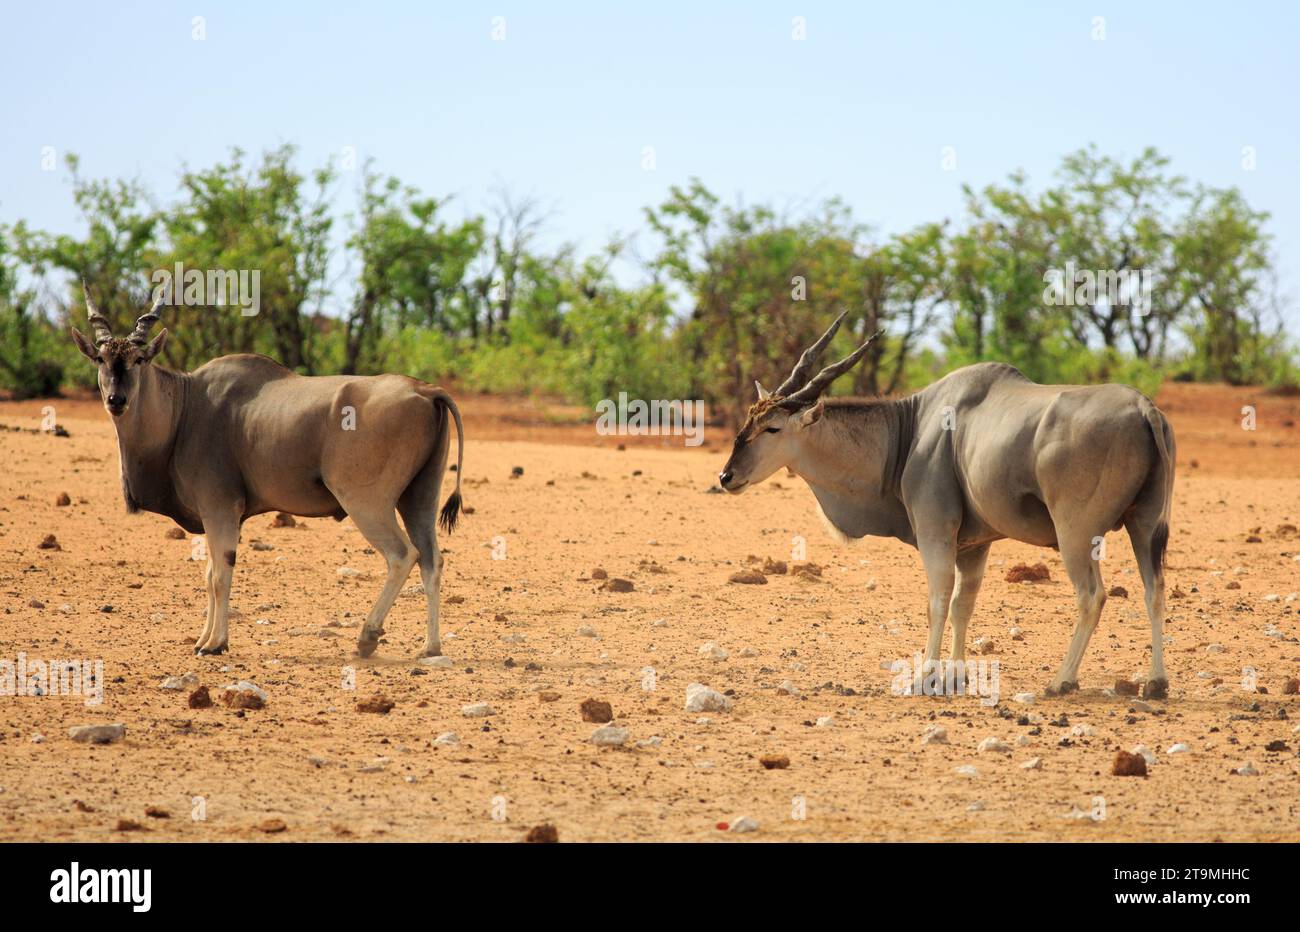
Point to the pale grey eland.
(981, 455)
(242, 435)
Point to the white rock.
(1214, 648)
(610, 736)
(744, 824)
(1247, 770)
(447, 739)
(747, 652)
(347, 572)
(700, 698)
(1083, 731)
(659, 623)
(1023, 698)
(1022, 741)
(871, 584)
(712, 651)
(825, 721)
(994, 744)
(188, 681)
(97, 734)
(515, 638)
(935, 734)
(1080, 815)
(977, 806)
(1179, 748)
(1146, 753)
(967, 771)
(586, 631)
(1034, 763)
(476, 710)
(244, 686)
(788, 688)
(1272, 597)
(652, 742)
(439, 662)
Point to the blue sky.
(564, 106)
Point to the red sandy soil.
(327, 771)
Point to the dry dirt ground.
(534, 622)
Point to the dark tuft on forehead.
(757, 412)
(117, 349)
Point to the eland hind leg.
(1150, 536)
(419, 509)
(378, 524)
(1077, 552)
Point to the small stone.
(438, 663)
(1118, 592)
(700, 698)
(994, 744)
(1144, 752)
(175, 533)
(609, 736)
(1127, 688)
(598, 573)
(542, 835)
(200, 698)
(447, 739)
(712, 651)
(617, 585)
(547, 695)
(825, 721)
(774, 762)
(1023, 698)
(1128, 765)
(586, 631)
(1034, 763)
(966, 771)
(787, 689)
(1246, 770)
(272, 826)
(1179, 748)
(50, 542)
(744, 825)
(348, 572)
(378, 704)
(594, 710)
(476, 710)
(63, 500)
(748, 578)
(97, 734)
(157, 812)
(935, 734)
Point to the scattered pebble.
(610, 736)
(700, 698)
(97, 734)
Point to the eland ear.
(155, 346)
(88, 349)
(812, 415)
(763, 393)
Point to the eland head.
(770, 435)
(119, 358)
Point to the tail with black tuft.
(451, 510)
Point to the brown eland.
(981, 455)
(243, 435)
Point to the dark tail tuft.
(451, 511)
(1159, 541)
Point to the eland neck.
(146, 433)
(853, 460)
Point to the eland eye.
(771, 430)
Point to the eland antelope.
(981, 455)
(242, 435)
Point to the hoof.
(1064, 689)
(210, 651)
(430, 652)
(1156, 689)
